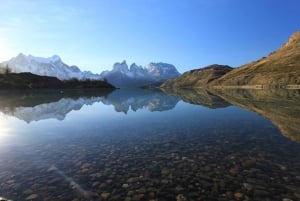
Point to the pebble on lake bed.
(238, 195)
(105, 196)
(4, 199)
(122, 168)
(32, 197)
(180, 197)
(52, 168)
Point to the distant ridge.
(197, 78)
(121, 75)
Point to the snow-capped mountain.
(122, 76)
(162, 71)
(52, 66)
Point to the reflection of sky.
(75, 122)
(99, 119)
(4, 129)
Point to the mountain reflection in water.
(198, 97)
(152, 100)
(162, 149)
(47, 104)
(281, 107)
(40, 105)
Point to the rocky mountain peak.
(20, 58)
(136, 76)
(55, 58)
(122, 67)
(289, 48)
(161, 68)
(293, 40)
(134, 67)
(20, 55)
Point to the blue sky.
(94, 34)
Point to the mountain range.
(280, 69)
(39, 105)
(120, 75)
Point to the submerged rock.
(32, 197)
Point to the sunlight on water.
(5, 129)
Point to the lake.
(150, 145)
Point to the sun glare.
(5, 50)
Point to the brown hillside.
(278, 69)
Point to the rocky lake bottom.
(154, 152)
